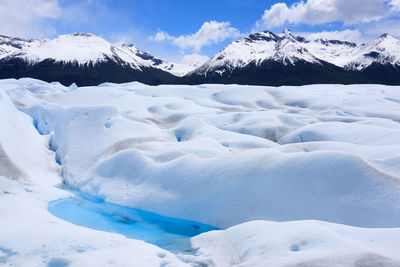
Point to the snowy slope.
(79, 48)
(332, 51)
(352, 56)
(17, 139)
(10, 45)
(385, 50)
(179, 69)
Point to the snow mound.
(273, 186)
(300, 243)
(23, 152)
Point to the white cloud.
(211, 32)
(163, 36)
(395, 5)
(27, 18)
(314, 12)
(345, 35)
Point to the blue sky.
(172, 29)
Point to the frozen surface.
(214, 154)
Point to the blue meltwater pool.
(88, 211)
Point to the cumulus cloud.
(162, 36)
(314, 12)
(212, 32)
(395, 5)
(26, 18)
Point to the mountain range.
(263, 58)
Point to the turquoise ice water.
(88, 211)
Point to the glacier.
(293, 176)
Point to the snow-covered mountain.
(357, 57)
(80, 48)
(73, 53)
(83, 49)
(289, 49)
(257, 48)
(332, 51)
(385, 50)
(262, 58)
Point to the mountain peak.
(287, 35)
(4, 37)
(387, 40)
(384, 36)
(287, 32)
(84, 34)
(267, 32)
(262, 36)
(128, 45)
(79, 37)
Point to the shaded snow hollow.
(219, 155)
